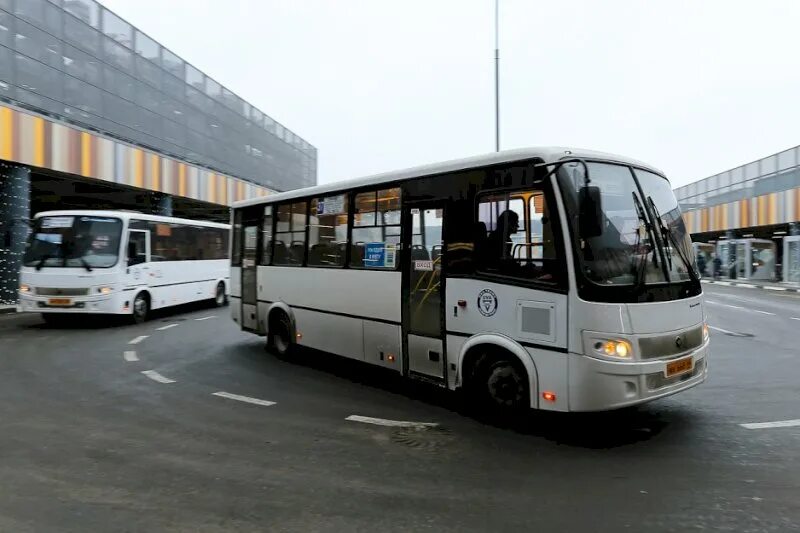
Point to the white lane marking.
(390, 423)
(795, 317)
(131, 356)
(775, 288)
(206, 317)
(739, 307)
(138, 339)
(162, 328)
(246, 399)
(746, 286)
(767, 425)
(155, 376)
(727, 331)
(726, 283)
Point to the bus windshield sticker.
(331, 205)
(390, 255)
(57, 222)
(374, 254)
(423, 265)
(487, 302)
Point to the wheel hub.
(505, 386)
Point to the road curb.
(751, 285)
(7, 310)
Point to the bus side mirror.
(590, 217)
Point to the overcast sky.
(692, 87)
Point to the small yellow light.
(622, 349)
(24, 288)
(105, 290)
(610, 348)
(549, 396)
(390, 358)
(299, 335)
(705, 331)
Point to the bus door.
(138, 257)
(249, 275)
(423, 308)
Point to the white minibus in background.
(120, 263)
(546, 278)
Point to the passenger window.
(327, 231)
(290, 234)
(514, 236)
(376, 229)
(266, 236)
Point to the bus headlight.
(614, 348)
(24, 288)
(104, 290)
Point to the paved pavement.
(185, 424)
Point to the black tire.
(141, 308)
(500, 384)
(220, 297)
(280, 340)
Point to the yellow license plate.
(59, 301)
(681, 366)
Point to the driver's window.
(515, 237)
(137, 248)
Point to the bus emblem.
(487, 302)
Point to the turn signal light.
(549, 396)
(24, 288)
(705, 331)
(390, 358)
(299, 335)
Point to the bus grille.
(668, 345)
(55, 291)
(657, 380)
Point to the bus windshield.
(74, 241)
(643, 239)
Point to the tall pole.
(497, 75)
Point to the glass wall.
(778, 172)
(79, 62)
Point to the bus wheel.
(279, 337)
(502, 384)
(141, 308)
(220, 298)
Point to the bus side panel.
(181, 282)
(335, 334)
(235, 287)
(367, 294)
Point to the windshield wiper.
(649, 228)
(667, 234)
(86, 265)
(41, 262)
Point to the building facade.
(80, 63)
(757, 205)
(94, 113)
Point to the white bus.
(120, 263)
(545, 278)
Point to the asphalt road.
(90, 443)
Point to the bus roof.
(127, 215)
(547, 154)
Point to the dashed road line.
(768, 425)
(206, 317)
(712, 302)
(246, 399)
(762, 312)
(168, 326)
(138, 339)
(155, 376)
(795, 317)
(390, 423)
(728, 332)
(130, 356)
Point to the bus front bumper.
(101, 304)
(598, 385)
